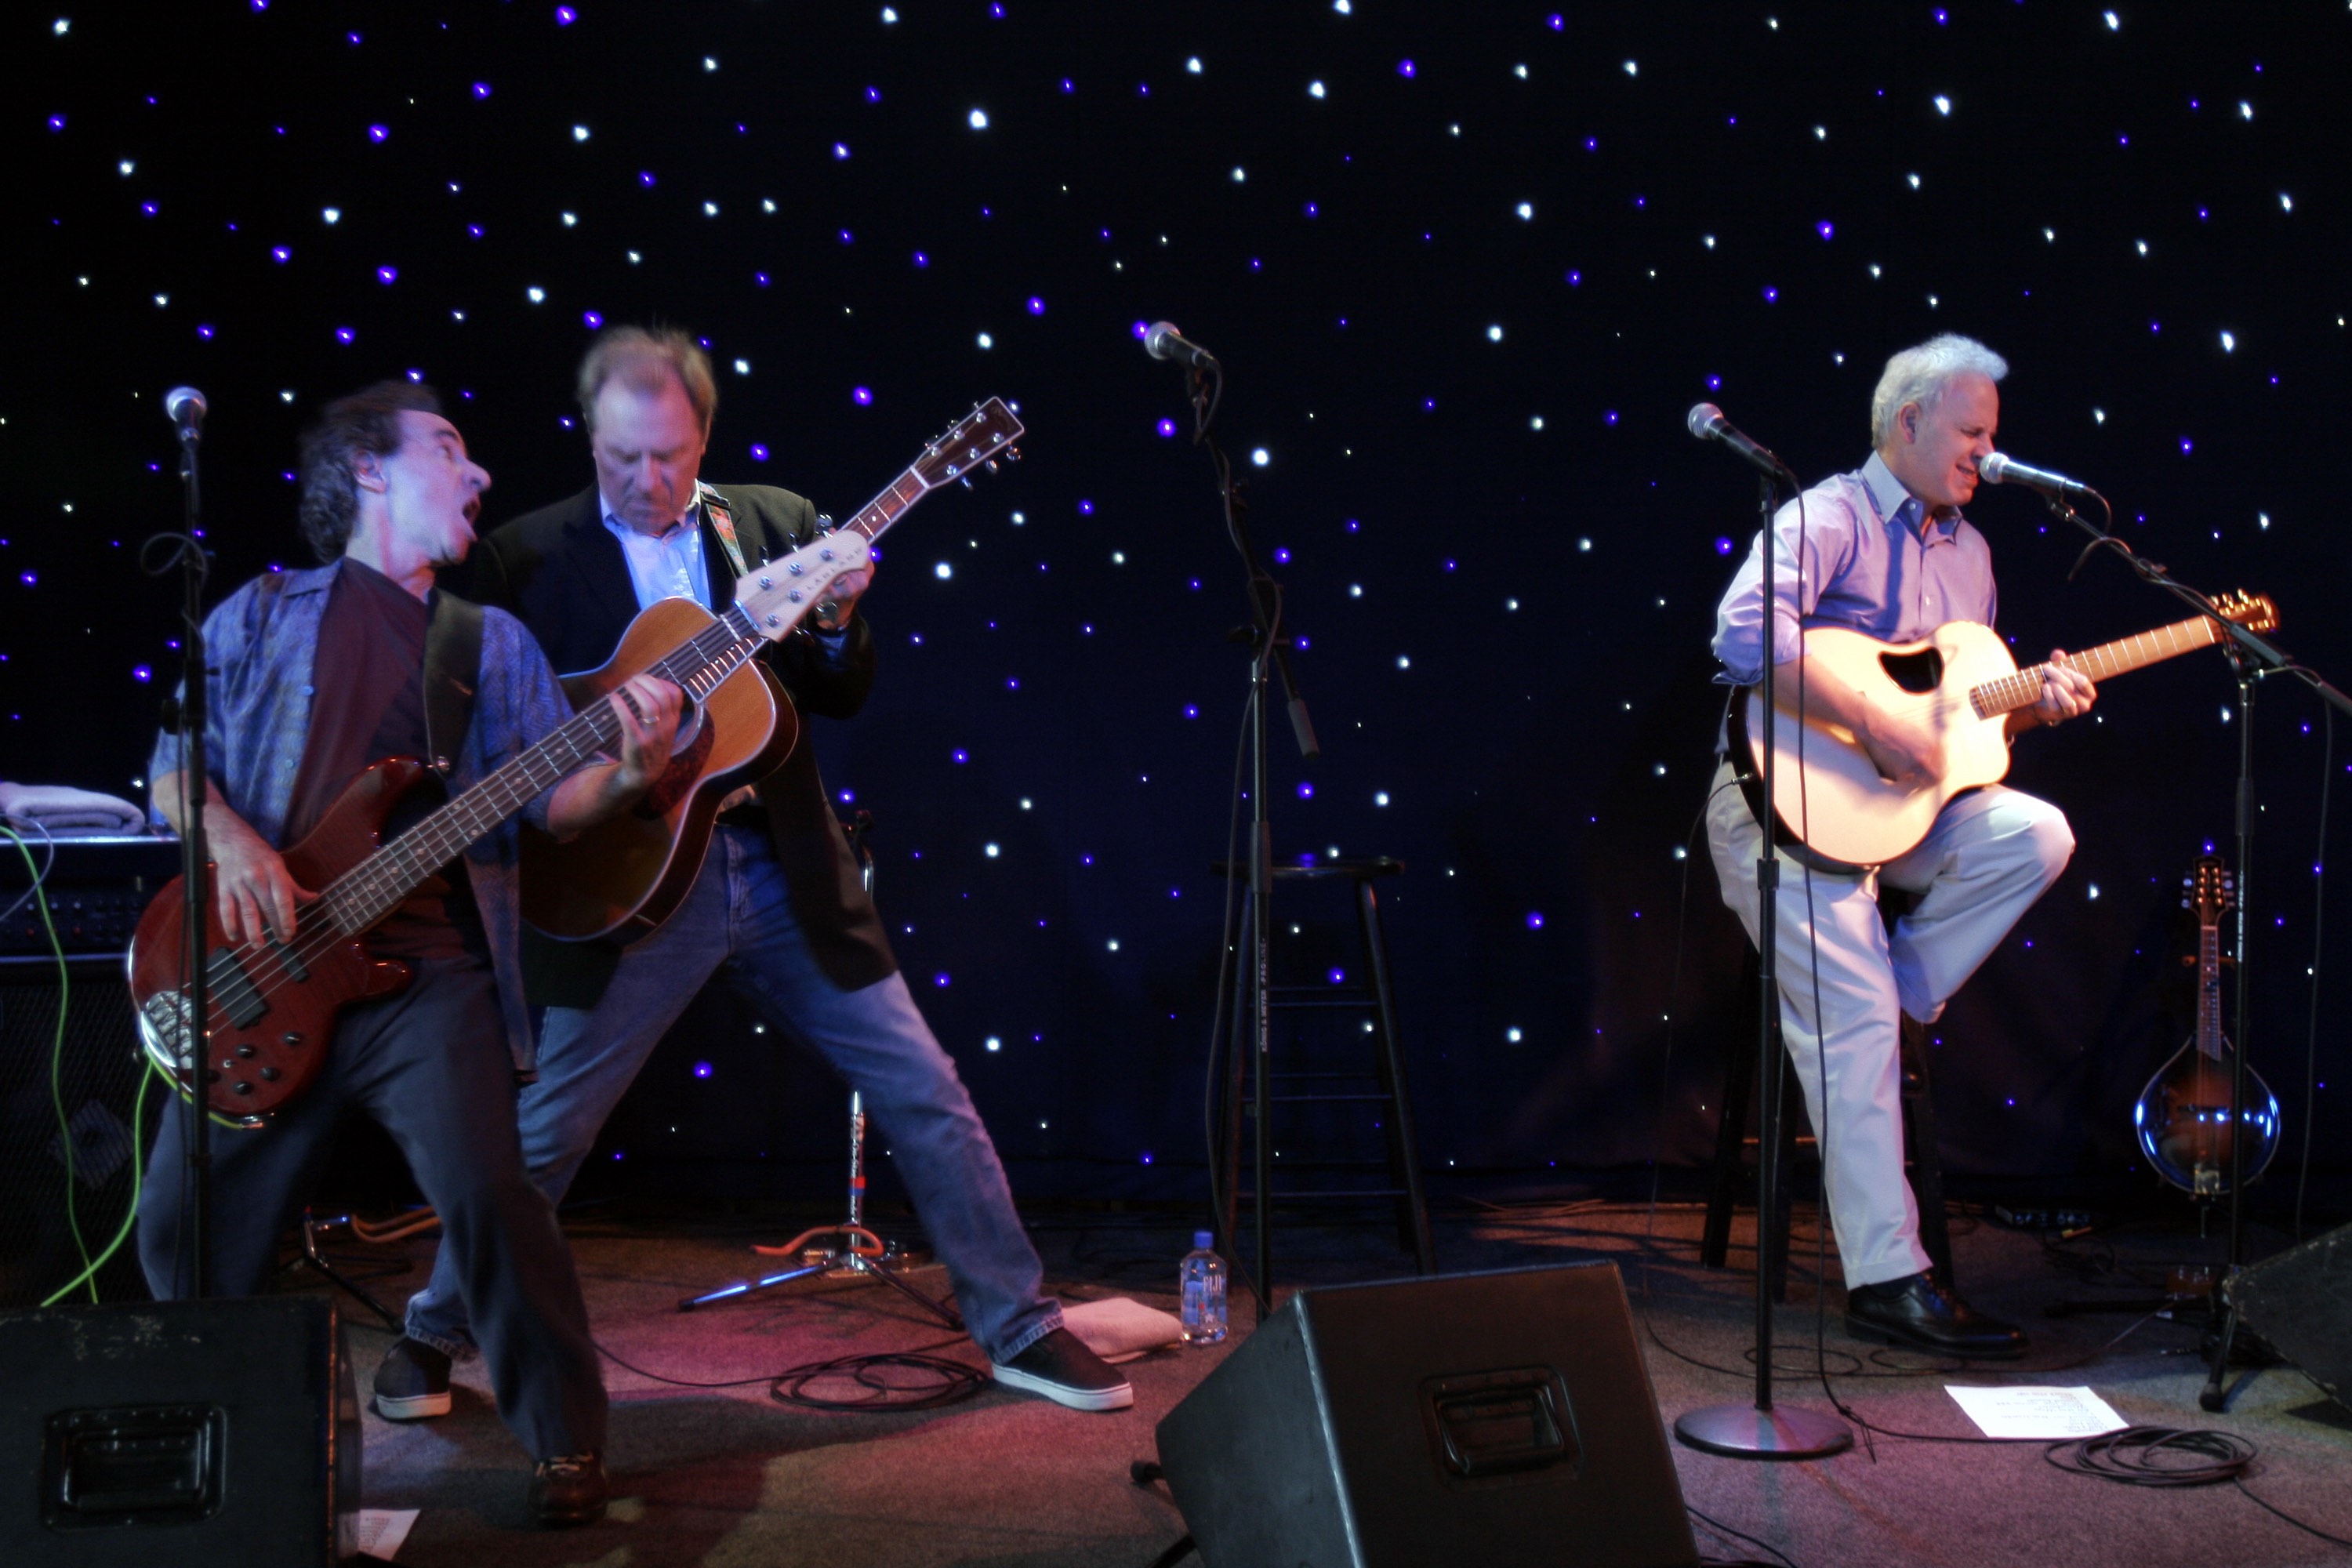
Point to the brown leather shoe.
(1920, 1314)
(570, 1489)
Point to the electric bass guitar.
(2182, 1117)
(1830, 796)
(629, 873)
(271, 1008)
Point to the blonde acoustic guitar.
(1830, 796)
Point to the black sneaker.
(413, 1382)
(569, 1490)
(1060, 1367)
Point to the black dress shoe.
(1917, 1312)
(569, 1490)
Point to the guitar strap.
(722, 523)
(453, 669)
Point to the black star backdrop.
(1467, 266)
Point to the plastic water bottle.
(1202, 1280)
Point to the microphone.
(1996, 468)
(185, 407)
(1164, 342)
(1707, 422)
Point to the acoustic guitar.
(2182, 1117)
(630, 873)
(272, 1006)
(1830, 796)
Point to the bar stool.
(1731, 1171)
(1380, 1085)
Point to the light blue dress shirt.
(1865, 562)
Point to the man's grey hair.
(1924, 373)
(646, 363)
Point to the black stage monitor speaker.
(1501, 1417)
(2301, 1301)
(198, 1433)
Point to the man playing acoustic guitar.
(322, 673)
(778, 906)
(1883, 550)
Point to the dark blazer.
(563, 574)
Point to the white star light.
(943, 571)
(580, 133)
(978, 119)
(1314, 89)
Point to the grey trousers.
(430, 1064)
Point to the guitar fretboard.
(369, 891)
(2024, 688)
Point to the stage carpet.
(726, 1475)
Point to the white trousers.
(1990, 855)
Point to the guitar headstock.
(2252, 611)
(2211, 891)
(974, 443)
(778, 594)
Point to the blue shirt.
(261, 641)
(1868, 562)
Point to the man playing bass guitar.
(321, 673)
(1883, 550)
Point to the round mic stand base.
(1744, 1432)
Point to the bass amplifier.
(95, 889)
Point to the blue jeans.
(739, 914)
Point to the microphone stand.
(189, 716)
(1758, 1431)
(2252, 659)
(1269, 653)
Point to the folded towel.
(60, 809)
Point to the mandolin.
(2183, 1114)
(272, 1006)
(1830, 796)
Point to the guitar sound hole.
(1913, 672)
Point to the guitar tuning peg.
(965, 481)
(991, 465)
(1011, 454)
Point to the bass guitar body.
(2182, 1117)
(273, 1006)
(628, 874)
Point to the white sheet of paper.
(383, 1530)
(2054, 1414)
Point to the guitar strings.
(269, 970)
